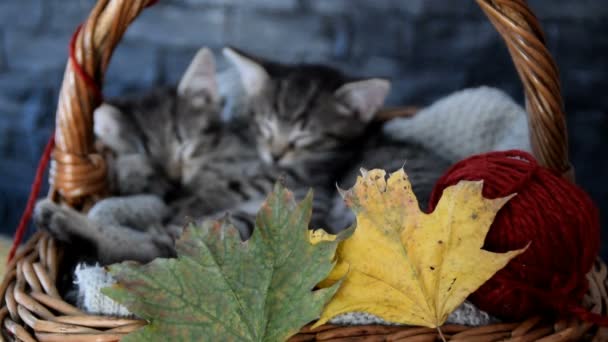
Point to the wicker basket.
(33, 308)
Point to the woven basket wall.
(32, 307)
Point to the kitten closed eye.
(303, 141)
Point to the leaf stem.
(441, 334)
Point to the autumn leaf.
(222, 289)
(409, 267)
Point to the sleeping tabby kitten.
(171, 145)
(156, 140)
(304, 125)
(306, 121)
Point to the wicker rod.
(538, 72)
(77, 172)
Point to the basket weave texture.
(32, 307)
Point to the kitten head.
(166, 125)
(305, 113)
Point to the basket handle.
(538, 72)
(77, 172)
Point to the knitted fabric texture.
(465, 123)
(90, 280)
(466, 314)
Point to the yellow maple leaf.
(409, 267)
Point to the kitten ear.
(110, 126)
(364, 97)
(253, 76)
(199, 81)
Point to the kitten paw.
(243, 222)
(175, 231)
(51, 217)
(165, 247)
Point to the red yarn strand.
(88, 79)
(29, 208)
(587, 316)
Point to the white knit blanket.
(464, 123)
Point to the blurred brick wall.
(428, 47)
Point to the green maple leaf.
(220, 288)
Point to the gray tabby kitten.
(306, 119)
(156, 141)
(171, 146)
(297, 131)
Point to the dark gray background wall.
(428, 47)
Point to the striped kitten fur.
(294, 111)
(176, 161)
(422, 165)
(155, 140)
(306, 120)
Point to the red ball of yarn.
(556, 216)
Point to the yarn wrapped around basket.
(555, 216)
